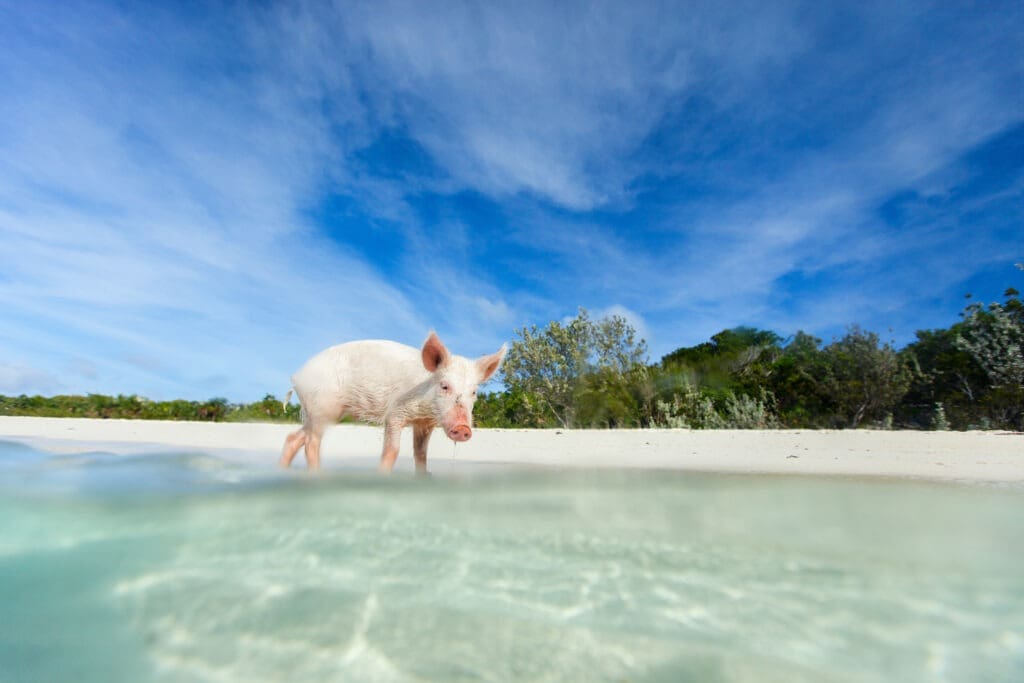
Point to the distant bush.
(269, 409)
(687, 409)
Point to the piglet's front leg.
(420, 438)
(392, 440)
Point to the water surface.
(190, 567)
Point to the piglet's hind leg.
(292, 443)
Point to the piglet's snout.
(460, 433)
(456, 423)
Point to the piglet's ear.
(488, 365)
(435, 355)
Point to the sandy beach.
(978, 457)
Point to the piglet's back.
(359, 374)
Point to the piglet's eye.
(445, 386)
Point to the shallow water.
(190, 567)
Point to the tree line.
(596, 374)
(269, 409)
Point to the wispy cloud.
(536, 98)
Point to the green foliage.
(723, 383)
(548, 368)
(864, 379)
(136, 408)
(973, 369)
(942, 374)
(269, 409)
(995, 340)
(735, 360)
(743, 411)
(610, 398)
(796, 382)
(687, 408)
(512, 408)
(855, 380)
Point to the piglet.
(391, 384)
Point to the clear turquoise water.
(186, 567)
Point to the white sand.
(949, 456)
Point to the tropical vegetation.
(587, 373)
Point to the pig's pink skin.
(391, 384)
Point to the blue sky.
(194, 197)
